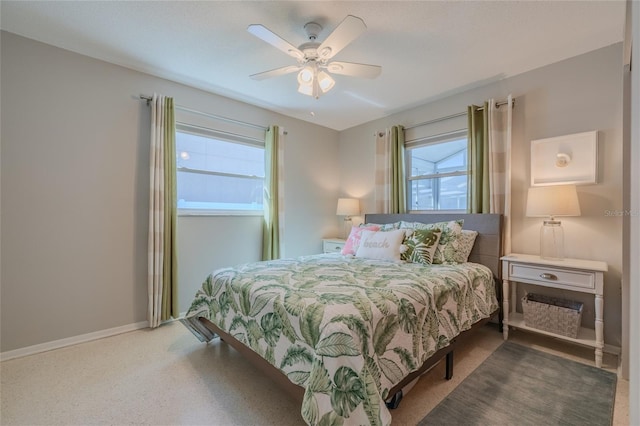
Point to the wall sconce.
(565, 160)
(562, 159)
(552, 201)
(347, 207)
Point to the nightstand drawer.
(332, 246)
(554, 276)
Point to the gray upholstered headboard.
(488, 246)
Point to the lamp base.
(346, 227)
(552, 240)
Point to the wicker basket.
(550, 314)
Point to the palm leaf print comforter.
(345, 329)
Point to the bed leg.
(500, 305)
(449, 366)
(394, 401)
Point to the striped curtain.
(500, 122)
(391, 191)
(162, 267)
(490, 159)
(273, 204)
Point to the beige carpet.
(166, 377)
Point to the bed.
(347, 335)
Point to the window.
(218, 172)
(438, 172)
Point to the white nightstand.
(584, 276)
(332, 245)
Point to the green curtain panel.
(398, 195)
(390, 183)
(478, 200)
(170, 260)
(270, 224)
(163, 271)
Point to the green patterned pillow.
(448, 246)
(465, 245)
(421, 245)
(383, 227)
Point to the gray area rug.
(517, 385)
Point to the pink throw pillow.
(353, 241)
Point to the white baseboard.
(69, 341)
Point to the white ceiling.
(427, 49)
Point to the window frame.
(221, 135)
(433, 140)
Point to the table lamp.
(549, 202)
(347, 207)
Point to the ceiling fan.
(314, 57)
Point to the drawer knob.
(548, 276)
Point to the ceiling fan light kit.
(313, 57)
(313, 82)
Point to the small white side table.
(584, 276)
(332, 245)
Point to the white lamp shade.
(305, 76)
(325, 81)
(555, 200)
(305, 89)
(348, 207)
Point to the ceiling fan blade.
(347, 31)
(265, 34)
(275, 72)
(353, 69)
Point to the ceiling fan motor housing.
(310, 51)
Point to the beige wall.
(74, 195)
(576, 95)
(633, 9)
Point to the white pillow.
(383, 245)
